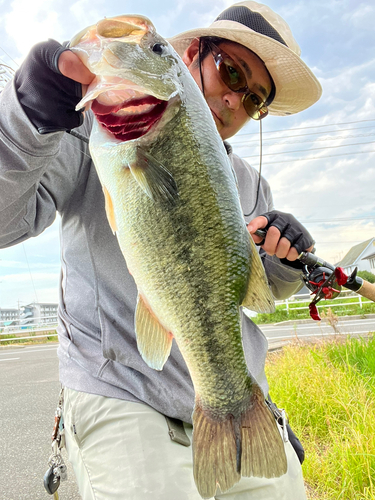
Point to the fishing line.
(31, 275)
(79, 137)
(260, 169)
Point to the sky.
(319, 163)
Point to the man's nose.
(233, 100)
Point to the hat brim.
(297, 88)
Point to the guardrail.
(31, 330)
(307, 297)
(20, 329)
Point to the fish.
(172, 201)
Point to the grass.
(31, 340)
(328, 390)
(281, 314)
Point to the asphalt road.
(29, 390)
(288, 331)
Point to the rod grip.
(367, 290)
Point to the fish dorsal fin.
(258, 295)
(155, 180)
(109, 210)
(153, 340)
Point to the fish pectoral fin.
(258, 294)
(226, 449)
(155, 180)
(153, 340)
(109, 210)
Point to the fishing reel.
(324, 280)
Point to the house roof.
(369, 256)
(354, 253)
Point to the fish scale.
(171, 198)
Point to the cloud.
(30, 22)
(20, 289)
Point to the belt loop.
(176, 431)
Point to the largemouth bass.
(172, 201)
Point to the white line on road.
(9, 359)
(313, 335)
(309, 326)
(28, 351)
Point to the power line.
(31, 276)
(319, 158)
(311, 126)
(314, 149)
(341, 219)
(10, 57)
(276, 140)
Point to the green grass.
(368, 307)
(328, 391)
(11, 339)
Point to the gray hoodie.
(42, 174)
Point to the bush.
(366, 275)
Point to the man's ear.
(191, 52)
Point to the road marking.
(312, 325)
(314, 335)
(28, 351)
(9, 359)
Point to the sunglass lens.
(232, 75)
(254, 106)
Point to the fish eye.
(158, 48)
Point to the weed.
(328, 390)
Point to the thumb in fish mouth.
(71, 66)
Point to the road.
(29, 391)
(282, 333)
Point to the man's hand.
(286, 237)
(49, 86)
(71, 66)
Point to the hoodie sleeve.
(38, 173)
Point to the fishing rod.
(325, 281)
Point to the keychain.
(57, 469)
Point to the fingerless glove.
(293, 231)
(48, 97)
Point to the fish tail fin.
(227, 448)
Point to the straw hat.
(264, 32)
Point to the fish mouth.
(129, 119)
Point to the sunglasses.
(235, 79)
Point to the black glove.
(48, 97)
(293, 231)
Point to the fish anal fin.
(226, 449)
(258, 295)
(153, 340)
(109, 210)
(154, 179)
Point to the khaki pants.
(122, 451)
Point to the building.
(7, 316)
(38, 313)
(361, 256)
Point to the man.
(114, 404)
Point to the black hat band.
(252, 20)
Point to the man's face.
(225, 105)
